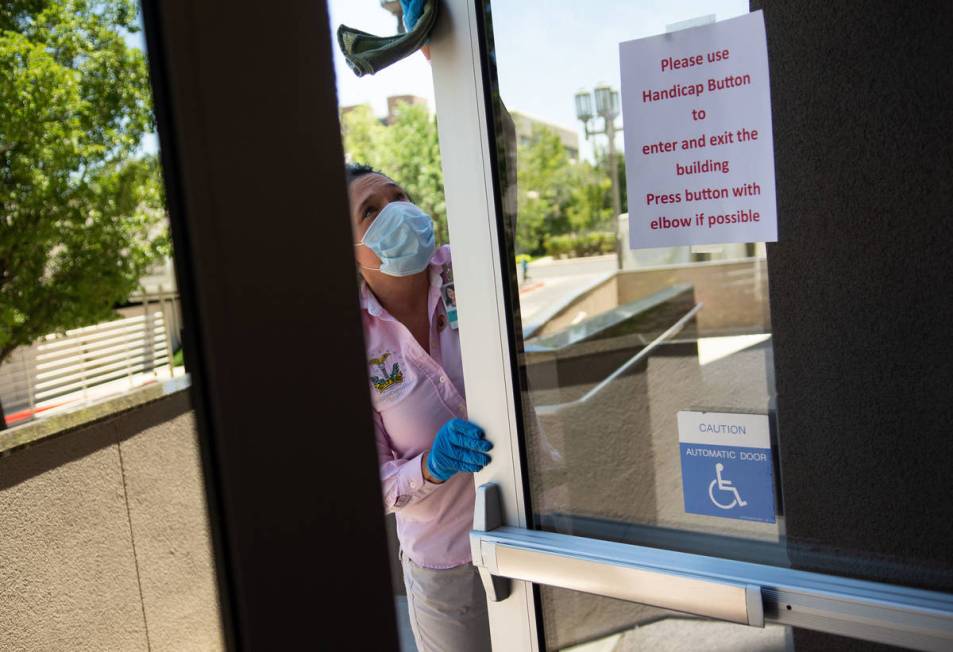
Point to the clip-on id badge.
(448, 294)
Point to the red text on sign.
(681, 63)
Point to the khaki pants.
(447, 608)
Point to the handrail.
(642, 354)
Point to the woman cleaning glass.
(427, 449)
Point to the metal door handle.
(725, 589)
(503, 553)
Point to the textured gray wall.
(860, 287)
(104, 538)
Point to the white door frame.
(471, 216)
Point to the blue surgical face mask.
(402, 237)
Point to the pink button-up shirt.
(413, 394)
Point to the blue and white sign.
(727, 468)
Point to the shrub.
(576, 245)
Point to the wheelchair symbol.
(724, 485)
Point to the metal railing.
(85, 363)
(638, 357)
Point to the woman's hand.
(425, 472)
(460, 445)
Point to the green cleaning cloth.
(366, 53)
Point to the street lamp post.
(607, 108)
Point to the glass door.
(614, 516)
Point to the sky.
(408, 77)
(150, 142)
(546, 51)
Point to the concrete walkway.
(550, 283)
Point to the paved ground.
(548, 268)
(669, 635)
(549, 281)
(683, 634)
(537, 295)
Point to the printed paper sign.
(699, 153)
(727, 468)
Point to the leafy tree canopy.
(407, 150)
(81, 214)
(556, 195)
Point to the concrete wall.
(600, 299)
(735, 295)
(104, 541)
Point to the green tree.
(623, 182)
(544, 178)
(407, 150)
(590, 207)
(80, 208)
(556, 196)
(411, 153)
(602, 163)
(362, 134)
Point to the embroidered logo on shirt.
(386, 380)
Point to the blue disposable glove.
(459, 446)
(412, 10)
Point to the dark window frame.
(253, 164)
